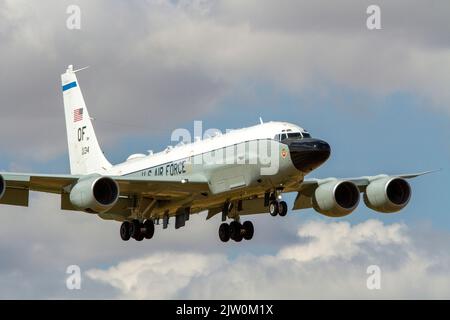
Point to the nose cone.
(308, 154)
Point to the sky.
(379, 97)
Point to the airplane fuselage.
(239, 165)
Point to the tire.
(140, 237)
(239, 237)
(235, 230)
(149, 227)
(224, 232)
(249, 230)
(274, 208)
(125, 234)
(135, 229)
(283, 209)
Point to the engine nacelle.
(336, 198)
(2, 187)
(95, 194)
(389, 194)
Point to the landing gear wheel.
(247, 226)
(239, 237)
(235, 230)
(140, 237)
(149, 228)
(283, 209)
(125, 231)
(274, 208)
(224, 232)
(135, 229)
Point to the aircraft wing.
(308, 186)
(18, 185)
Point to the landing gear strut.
(236, 231)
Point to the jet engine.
(387, 195)
(95, 194)
(2, 186)
(336, 198)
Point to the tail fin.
(84, 151)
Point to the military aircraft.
(239, 173)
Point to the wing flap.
(38, 182)
(53, 184)
(18, 186)
(122, 208)
(128, 185)
(302, 202)
(165, 188)
(15, 197)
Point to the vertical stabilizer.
(84, 151)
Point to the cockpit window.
(294, 135)
(291, 135)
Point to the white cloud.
(316, 259)
(340, 240)
(38, 243)
(332, 263)
(165, 273)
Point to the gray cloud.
(165, 60)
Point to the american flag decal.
(77, 115)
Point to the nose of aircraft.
(308, 154)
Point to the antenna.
(81, 69)
(261, 120)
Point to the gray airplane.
(242, 172)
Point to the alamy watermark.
(254, 151)
(373, 281)
(73, 21)
(373, 21)
(73, 281)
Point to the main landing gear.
(137, 230)
(278, 208)
(236, 231)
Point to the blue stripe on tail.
(69, 86)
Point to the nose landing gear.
(278, 208)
